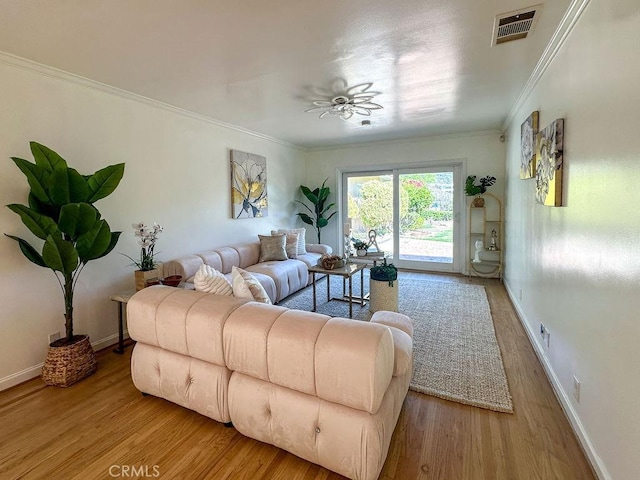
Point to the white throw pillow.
(246, 285)
(209, 280)
(301, 240)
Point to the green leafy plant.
(320, 216)
(471, 188)
(62, 214)
(384, 273)
(359, 244)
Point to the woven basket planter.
(68, 364)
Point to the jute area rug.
(456, 354)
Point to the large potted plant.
(318, 198)
(62, 214)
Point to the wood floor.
(103, 428)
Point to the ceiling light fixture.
(343, 102)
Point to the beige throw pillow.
(246, 285)
(291, 244)
(209, 280)
(272, 247)
(301, 238)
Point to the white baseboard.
(576, 424)
(35, 371)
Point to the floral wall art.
(248, 185)
(528, 132)
(549, 164)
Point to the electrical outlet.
(53, 337)
(547, 335)
(576, 389)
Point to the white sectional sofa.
(328, 390)
(279, 278)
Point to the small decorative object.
(473, 189)
(62, 213)
(479, 247)
(372, 240)
(248, 185)
(528, 132)
(147, 271)
(171, 280)
(493, 243)
(343, 101)
(329, 262)
(318, 198)
(360, 246)
(549, 164)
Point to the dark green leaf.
(60, 255)
(44, 208)
(67, 186)
(329, 217)
(77, 219)
(322, 222)
(309, 194)
(37, 177)
(105, 181)
(40, 225)
(46, 158)
(324, 193)
(114, 240)
(305, 218)
(95, 242)
(29, 252)
(326, 209)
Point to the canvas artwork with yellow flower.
(248, 185)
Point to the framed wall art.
(549, 164)
(528, 132)
(248, 185)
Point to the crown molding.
(423, 138)
(52, 72)
(567, 23)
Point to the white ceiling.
(250, 63)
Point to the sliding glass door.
(414, 213)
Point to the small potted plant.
(147, 272)
(360, 246)
(471, 188)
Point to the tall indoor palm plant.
(318, 197)
(62, 214)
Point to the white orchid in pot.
(62, 214)
(147, 266)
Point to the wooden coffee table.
(346, 273)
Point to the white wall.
(483, 153)
(578, 266)
(177, 174)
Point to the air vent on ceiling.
(515, 25)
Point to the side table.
(121, 298)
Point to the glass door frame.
(459, 217)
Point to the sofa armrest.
(402, 331)
(318, 248)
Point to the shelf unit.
(482, 221)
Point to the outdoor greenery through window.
(425, 213)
